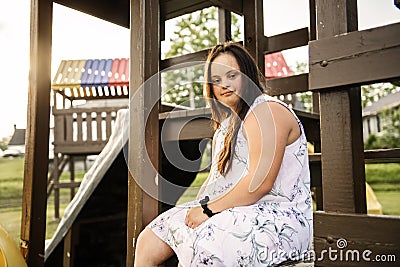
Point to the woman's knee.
(147, 243)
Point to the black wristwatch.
(206, 210)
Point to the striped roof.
(92, 77)
(104, 78)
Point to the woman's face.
(226, 80)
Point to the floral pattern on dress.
(268, 232)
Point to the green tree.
(390, 137)
(373, 92)
(3, 144)
(194, 32)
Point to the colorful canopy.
(100, 78)
(92, 78)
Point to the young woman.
(255, 208)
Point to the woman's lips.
(227, 93)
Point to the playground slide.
(91, 179)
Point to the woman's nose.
(225, 83)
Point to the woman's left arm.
(267, 128)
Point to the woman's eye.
(232, 76)
(215, 81)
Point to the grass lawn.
(11, 183)
(383, 178)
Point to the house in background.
(16, 145)
(372, 116)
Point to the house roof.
(18, 138)
(387, 102)
(275, 66)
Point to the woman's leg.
(151, 250)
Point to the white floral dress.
(276, 228)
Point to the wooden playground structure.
(341, 59)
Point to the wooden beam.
(33, 222)
(235, 6)
(196, 124)
(313, 19)
(343, 172)
(186, 125)
(254, 31)
(173, 8)
(143, 117)
(288, 85)
(356, 58)
(224, 25)
(116, 11)
(372, 156)
(286, 40)
(351, 236)
(184, 60)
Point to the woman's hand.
(195, 217)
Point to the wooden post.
(72, 174)
(33, 222)
(254, 30)
(343, 174)
(56, 188)
(144, 109)
(224, 25)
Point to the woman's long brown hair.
(253, 86)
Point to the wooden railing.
(82, 130)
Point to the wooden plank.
(67, 253)
(286, 40)
(184, 61)
(343, 172)
(79, 122)
(143, 116)
(356, 58)
(288, 85)
(89, 131)
(68, 128)
(342, 153)
(372, 156)
(313, 19)
(349, 235)
(235, 6)
(254, 31)
(186, 129)
(173, 8)
(99, 134)
(196, 124)
(66, 184)
(81, 110)
(224, 25)
(382, 155)
(56, 194)
(79, 148)
(108, 125)
(116, 11)
(33, 221)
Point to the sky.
(80, 36)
